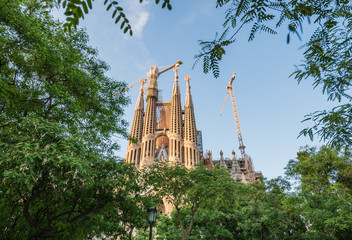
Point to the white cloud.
(140, 22)
(137, 14)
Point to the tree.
(46, 72)
(187, 189)
(53, 187)
(245, 211)
(327, 55)
(324, 191)
(318, 207)
(59, 176)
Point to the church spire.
(140, 100)
(236, 172)
(188, 102)
(175, 133)
(191, 154)
(149, 126)
(134, 145)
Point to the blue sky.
(271, 105)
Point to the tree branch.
(35, 194)
(180, 221)
(193, 213)
(85, 214)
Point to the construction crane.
(142, 81)
(178, 63)
(237, 121)
(246, 162)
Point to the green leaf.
(89, 2)
(118, 19)
(109, 6)
(122, 24)
(114, 13)
(85, 7)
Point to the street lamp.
(151, 219)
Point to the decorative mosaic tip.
(176, 70)
(187, 79)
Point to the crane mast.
(235, 113)
(246, 162)
(237, 121)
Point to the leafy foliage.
(319, 207)
(212, 53)
(77, 9)
(247, 211)
(55, 187)
(324, 194)
(48, 73)
(59, 176)
(187, 189)
(328, 63)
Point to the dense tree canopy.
(187, 189)
(318, 206)
(56, 76)
(324, 192)
(53, 187)
(59, 176)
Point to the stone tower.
(135, 143)
(175, 131)
(165, 132)
(190, 139)
(149, 125)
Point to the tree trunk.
(130, 233)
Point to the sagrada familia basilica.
(167, 132)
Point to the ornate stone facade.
(164, 131)
(236, 167)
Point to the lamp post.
(151, 219)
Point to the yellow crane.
(246, 163)
(237, 121)
(142, 81)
